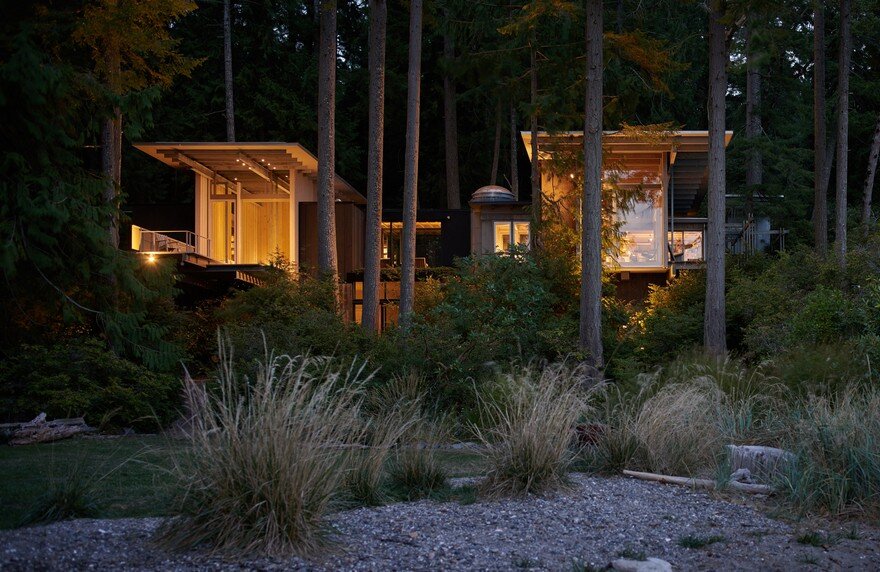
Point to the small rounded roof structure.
(492, 194)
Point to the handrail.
(161, 241)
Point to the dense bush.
(290, 314)
(81, 377)
(497, 309)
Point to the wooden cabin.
(660, 230)
(252, 203)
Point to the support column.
(202, 208)
(294, 223)
(238, 218)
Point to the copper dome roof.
(493, 194)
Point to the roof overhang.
(254, 165)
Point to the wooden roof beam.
(262, 171)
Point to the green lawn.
(129, 474)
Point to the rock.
(649, 565)
(741, 476)
(763, 463)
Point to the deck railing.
(168, 241)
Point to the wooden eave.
(260, 168)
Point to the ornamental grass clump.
(416, 469)
(365, 481)
(267, 457)
(837, 442)
(530, 424)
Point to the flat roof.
(630, 141)
(253, 164)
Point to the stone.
(741, 476)
(649, 565)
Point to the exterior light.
(151, 259)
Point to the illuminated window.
(503, 231)
(642, 243)
(687, 245)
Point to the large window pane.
(502, 236)
(504, 230)
(687, 245)
(642, 240)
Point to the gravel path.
(587, 527)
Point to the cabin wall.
(350, 221)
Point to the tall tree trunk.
(591, 234)
(450, 116)
(373, 245)
(842, 133)
(820, 182)
(714, 336)
(411, 168)
(619, 16)
(514, 147)
(496, 149)
(111, 141)
(754, 170)
(327, 261)
(227, 69)
(537, 199)
(108, 152)
(869, 179)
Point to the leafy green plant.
(82, 377)
(291, 314)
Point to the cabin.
(252, 203)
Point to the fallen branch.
(39, 430)
(699, 483)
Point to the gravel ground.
(589, 526)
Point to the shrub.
(497, 309)
(81, 377)
(291, 314)
(825, 369)
(267, 458)
(671, 321)
(527, 445)
(837, 442)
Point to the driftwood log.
(699, 483)
(39, 430)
